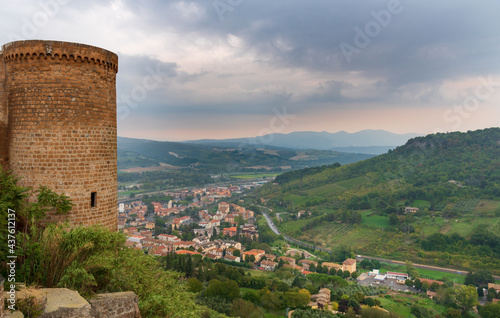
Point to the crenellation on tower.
(58, 123)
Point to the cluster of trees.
(157, 180)
(482, 243)
(370, 264)
(300, 174)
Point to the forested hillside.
(453, 179)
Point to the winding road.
(275, 229)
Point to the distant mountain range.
(224, 157)
(365, 141)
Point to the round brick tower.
(61, 125)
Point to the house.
(409, 209)
(205, 225)
(147, 234)
(232, 258)
(187, 252)
(157, 207)
(270, 257)
(307, 263)
(496, 287)
(299, 268)
(268, 265)
(211, 256)
(332, 265)
(130, 230)
(169, 238)
(231, 250)
(218, 252)
(203, 232)
(230, 218)
(135, 238)
(286, 260)
(374, 273)
(231, 231)
(223, 207)
(214, 223)
(150, 225)
(256, 253)
(431, 294)
(121, 224)
(349, 265)
(201, 239)
(234, 244)
(184, 244)
(395, 275)
(158, 251)
(322, 297)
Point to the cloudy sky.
(239, 68)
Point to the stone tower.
(58, 123)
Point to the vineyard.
(331, 232)
(352, 289)
(465, 206)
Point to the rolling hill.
(140, 153)
(453, 178)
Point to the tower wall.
(62, 124)
(3, 116)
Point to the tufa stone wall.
(58, 108)
(115, 305)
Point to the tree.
(354, 275)
(297, 299)
(245, 309)
(194, 285)
(453, 313)
(490, 310)
(466, 298)
(312, 268)
(425, 286)
(228, 290)
(271, 301)
(418, 284)
(434, 286)
(410, 270)
(491, 294)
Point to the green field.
(421, 204)
(487, 206)
(374, 220)
(400, 304)
(424, 273)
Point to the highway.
(275, 229)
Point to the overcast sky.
(239, 68)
